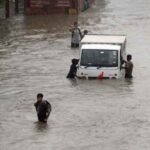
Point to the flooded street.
(35, 57)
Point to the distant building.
(9, 8)
(2, 10)
(34, 7)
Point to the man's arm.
(122, 63)
(48, 108)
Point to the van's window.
(99, 58)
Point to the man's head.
(39, 97)
(129, 57)
(75, 24)
(75, 61)
(85, 32)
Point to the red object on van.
(100, 76)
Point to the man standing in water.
(73, 69)
(43, 108)
(128, 67)
(76, 35)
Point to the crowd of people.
(76, 36)
(128, 68)
(43, 107)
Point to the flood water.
(35, 57)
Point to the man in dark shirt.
(43, 108)
(73, 69)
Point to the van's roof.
(101, 46)
(99, 38)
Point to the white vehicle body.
(101, 55)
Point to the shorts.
(128, 76)
(74, 45)
(42, 118)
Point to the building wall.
(48, 6)
(33, 7)
(2, 10)
(12, 7)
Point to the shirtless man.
(128, 67)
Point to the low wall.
(40, 7)
(48, 6)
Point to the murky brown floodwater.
(35, 57)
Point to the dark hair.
(75, 61)
(75, 23)
(85, 31)
(40, 95)
(129, 57)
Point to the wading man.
(75, 35)
(73, 69)
(43, 108)
(128, 67)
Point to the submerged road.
(35, 57)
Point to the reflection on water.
(129, 81)
(41, 127)
(74, 82)
(35, 57)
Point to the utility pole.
(7, 10)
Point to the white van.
(101, 56)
